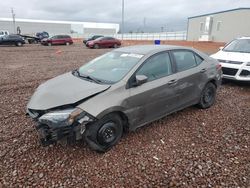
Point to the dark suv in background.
(12, 40)
(92, 38)
(58, 40)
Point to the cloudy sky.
(140, 15)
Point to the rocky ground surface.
(191, 148)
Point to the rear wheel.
(19, 44)
(207, 96)
(96, 46)
(105, 133)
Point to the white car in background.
(235, 59)
(3, 33)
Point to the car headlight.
(64, 117)
(248, 64)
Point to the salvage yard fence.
(178, 35)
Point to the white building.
(77, 29)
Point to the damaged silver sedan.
(120, 91)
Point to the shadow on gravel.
(236, 83)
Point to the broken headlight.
(63, 117)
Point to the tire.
(208, 95)
(19, 44)
(115, 46)
(105, 133)
(96, 46)
(67, 43)
(49, 44)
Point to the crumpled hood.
(232, 56)
(62, 90)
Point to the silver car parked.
(122, 90)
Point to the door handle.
(171, 82)
(203, 70)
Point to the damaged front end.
(61, 125)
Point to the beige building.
(221, 26)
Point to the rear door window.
(198, 59)
(184, 59)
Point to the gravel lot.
(191, 148)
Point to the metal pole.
(122, 30)
(14, 22)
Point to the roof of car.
(147, 49)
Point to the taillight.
(218, 66)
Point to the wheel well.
(213, 82)
(124, 120)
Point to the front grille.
(230, 62)
(245, 73)
(229, 71)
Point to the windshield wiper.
(76, 72)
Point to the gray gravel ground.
(190, 148)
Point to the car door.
(55, 40)
(7, 40)
(104, 42)
(190, 73)
(157, 96)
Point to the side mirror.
(220, 48)
(141, 79)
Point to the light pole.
(14, 22)
(122, 29)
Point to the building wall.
(59, 27)
(225, 27)
(31, 28)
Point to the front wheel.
(96, 46)
(67, 43)
(207, 98)
(105, 133)
(49, 44)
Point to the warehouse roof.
(231, 10)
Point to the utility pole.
(144, 24)
(14, 22)
(122, 30)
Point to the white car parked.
(3, 33)
(235, 59)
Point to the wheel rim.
(67, 43)
(208, 95)
(107, 133)
(96, 46)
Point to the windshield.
(239, 45)
(110, 67)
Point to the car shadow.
(235, 83)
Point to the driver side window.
(156, 67)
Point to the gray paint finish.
(233, 24)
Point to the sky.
(140, 15)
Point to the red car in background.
(104, 42)
(57, 40)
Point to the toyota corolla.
(122, 90)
